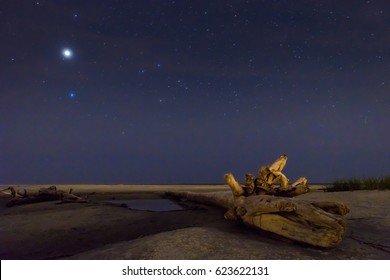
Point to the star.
(72, 95)
(67, 53)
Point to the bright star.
(72, 95)
(67, 53)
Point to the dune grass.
(381, 183)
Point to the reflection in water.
(149, 204)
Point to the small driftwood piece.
(44, 194)
(262, 205)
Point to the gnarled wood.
(44, 194)
(315, 223)
(263, 205)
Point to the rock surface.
(98, 231)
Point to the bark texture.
(262, 204)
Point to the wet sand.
(104, 229)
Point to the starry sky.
(171, 92)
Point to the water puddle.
(149, 204)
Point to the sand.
(99, 230)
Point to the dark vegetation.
(381, 183)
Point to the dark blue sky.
(185, 91)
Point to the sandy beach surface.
(153, 227)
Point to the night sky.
(164, 92)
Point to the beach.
(139, 222)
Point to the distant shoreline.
(121, 188)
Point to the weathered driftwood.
(44, 194)
(270, 180)
(316, 223)
(265, 206)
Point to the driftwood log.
(261, 204)
(44, 194)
